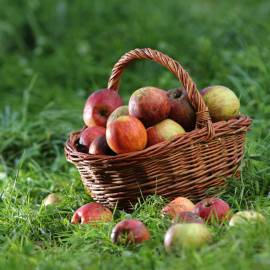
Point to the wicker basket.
(186, 166)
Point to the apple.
(130, 231)
(126, 134)
(211, 209)
(150, 105)
(163, 131)
(120, 111)
(99, 106)
(222, 102)
(182, 111)
(89, 134)
(187, 217)
(51, 199)
(186, 235)
(99, 146)
(91, 213)
(176, 206)
(247, 216)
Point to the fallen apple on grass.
(99, 106)
(212, 209)
(247, 216)
(150, 105)
(89, 134)
(176, 206)
(99, 146)
(126, 134)
(222, 102)
(187, 235)
(187, 217)
(130, 231)
(163, 131)
(91, 213)
(52, 199)
(120, 111)
(181, 111)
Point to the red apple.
(120, 111)
(212, 209)
(126, 134)
(182, 111)
(99, 146)
(163, 131)
(149, 104)
(99, 106)
(130, 231)
(176, 206)
(89, 134)
(91, 213)
(186, 235)
(222, 102)
(187, 217)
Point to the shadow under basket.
(186, 166)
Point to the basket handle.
(202, 114)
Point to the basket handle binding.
(202, 114)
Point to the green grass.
(53, 54)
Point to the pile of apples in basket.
(152, 116)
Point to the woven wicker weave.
(186, 166)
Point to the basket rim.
(242, 120)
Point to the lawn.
(53, 54)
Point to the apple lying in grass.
(247, 216)
(130, 231)
(99, 146)
(120, 111)
(182, 111)
(150, 105)
(212, 209)
(91, 213)
(187, 235)
(126, 134)
(52, 199)
(163, 131)
(99, 106)
(88, 135)
(176, 206)
(187, 217)
(222, 102)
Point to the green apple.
(163, 131)
(222, 102)
(186, 235)
(247, 216)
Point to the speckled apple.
(149, 104)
